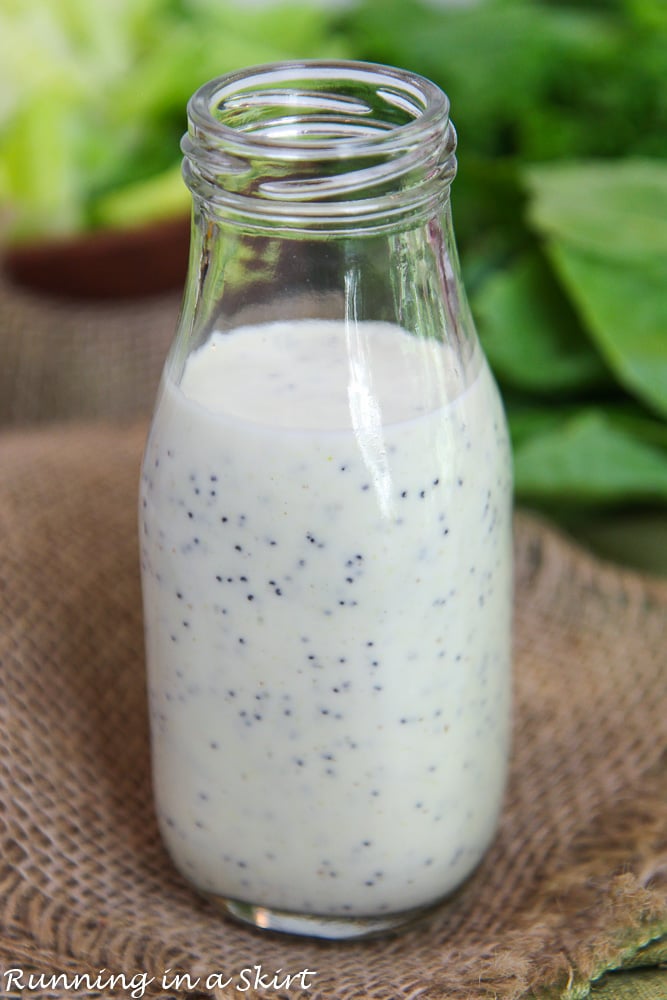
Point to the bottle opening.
(320, 145)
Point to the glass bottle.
(326, 514)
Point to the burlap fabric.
(575, 883)
(64, 360)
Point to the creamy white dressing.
(326, 569)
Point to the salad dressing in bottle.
(325, 515)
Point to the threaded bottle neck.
(320, 147)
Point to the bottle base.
(336, 928)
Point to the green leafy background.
(560, 203)
(560, 208)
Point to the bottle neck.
(320, 148)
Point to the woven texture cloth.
(574, 884)
(66, 360)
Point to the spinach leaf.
(625, 309)
(615, 209)
(587, 460)
(529, 419)
(531, 334)
(606, 230)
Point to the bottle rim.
(319, 143)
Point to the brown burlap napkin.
(575, 882)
